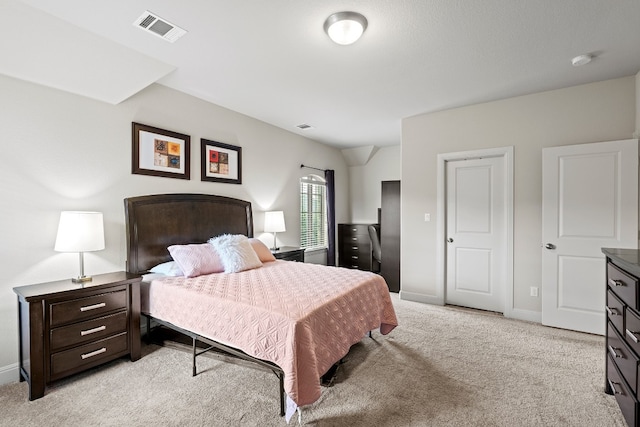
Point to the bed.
(295, 319)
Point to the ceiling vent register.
(159, 27)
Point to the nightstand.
(65, 327)
(289, 253)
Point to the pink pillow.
(263, 252)
(196, 259)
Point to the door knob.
(550, 246)
(450, 240)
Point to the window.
(313, 212)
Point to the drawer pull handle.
(93, 331)
(93, 353)
(614, 352)
(354, 256)
(354, 238)
(612, 311)
(93, 307)
(632, 335)
(616, 282)
(354, 248)
(613, 387)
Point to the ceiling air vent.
(159, 27)
(304, 126)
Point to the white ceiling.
(270, 59)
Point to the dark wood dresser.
(623, 330)
(66, 327)
(354, 246)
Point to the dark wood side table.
(289, 253)
(65, 327)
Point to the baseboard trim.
(527, 315)
(415, 297)
(516, 313)
(9, 374)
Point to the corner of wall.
(636, 134)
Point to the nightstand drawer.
(77, 359)
(356, 259)
(615, 311)
(632, 329)
(627, 402)
(89, 330)
(623, 285)
(87, 308)
(625, 360)
(353, 233)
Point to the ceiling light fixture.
(345, 27)
(581, 60)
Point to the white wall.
(637, 134)
(65, 152)
(589, 113)
(365, 188)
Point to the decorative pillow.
(263, 252)
(169, 268)
(196, 259)
(236, 252)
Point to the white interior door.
(589, 201)
(476, 233)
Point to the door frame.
(441, 226)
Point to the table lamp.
(274, 223)
(80, 232)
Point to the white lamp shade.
(274, 222)
(80, 232)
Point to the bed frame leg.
(194, 357)
(370, 336)
(281, 378)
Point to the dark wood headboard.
(157, 221)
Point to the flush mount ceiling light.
(345, 27)
(581, 60)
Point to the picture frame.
(220, 162)
(160, 152)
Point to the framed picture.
(160, 152)
(221, 162)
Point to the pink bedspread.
(302, 317)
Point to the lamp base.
(81, 279)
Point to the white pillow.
(236, 253)
(169, 268)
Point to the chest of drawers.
(354, 246)
(66, 327)
(623, 331)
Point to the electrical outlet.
(534, 291)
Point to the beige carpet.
(442, 366)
